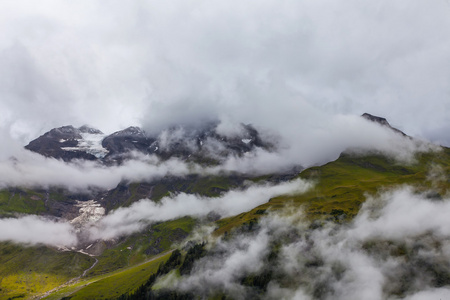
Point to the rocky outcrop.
(206, 144)
(89, 212)
(68, 143)
(125, 141)
(381, 121)
(201, 145)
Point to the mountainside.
(381, 121)
(200, 145)
(302, 234)
(69, 143)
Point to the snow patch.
(90, 143)
(246, 141)
(90, 212)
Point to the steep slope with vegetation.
(342, 186)
(26, 271)
(340, 189)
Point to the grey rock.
(381, 121)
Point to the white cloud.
(20, 167)
(396, 247)
(403, 215)
(126, 220)
(282, 65)
(36, 230)
(440, 293)
(302, 69)
(223, 272)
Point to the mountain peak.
(376, 119)
(189, 143)
(63, 132)
(130, 131)
(381, 121)
(63, 142)
(90, 130)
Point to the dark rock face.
(376, 119)
(126, 192)
(202, 145)
(130, 139)
(381, 121)
(206, 143)
(62, 208)
(87, 129)
(51, 144)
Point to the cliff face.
(194, 144)
(66, 143)
(381, 121)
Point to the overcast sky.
(287, 65)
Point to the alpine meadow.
(216, 149)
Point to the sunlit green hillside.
(340, 187)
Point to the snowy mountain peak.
(206, 143)
(68, 143)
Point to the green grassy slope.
(142, 246)
(21, 201)
(126, 194)
(110, 285)
(341, 186)
(26, 271)
(36, 201)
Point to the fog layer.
(397, 246)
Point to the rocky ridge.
(381, 121)
(69, 143)
(203, 145)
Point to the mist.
(127, 220)
(317, 146)
(289, 66)
(29, 169)
(392, 249)
(33, 230)
(299, 70)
